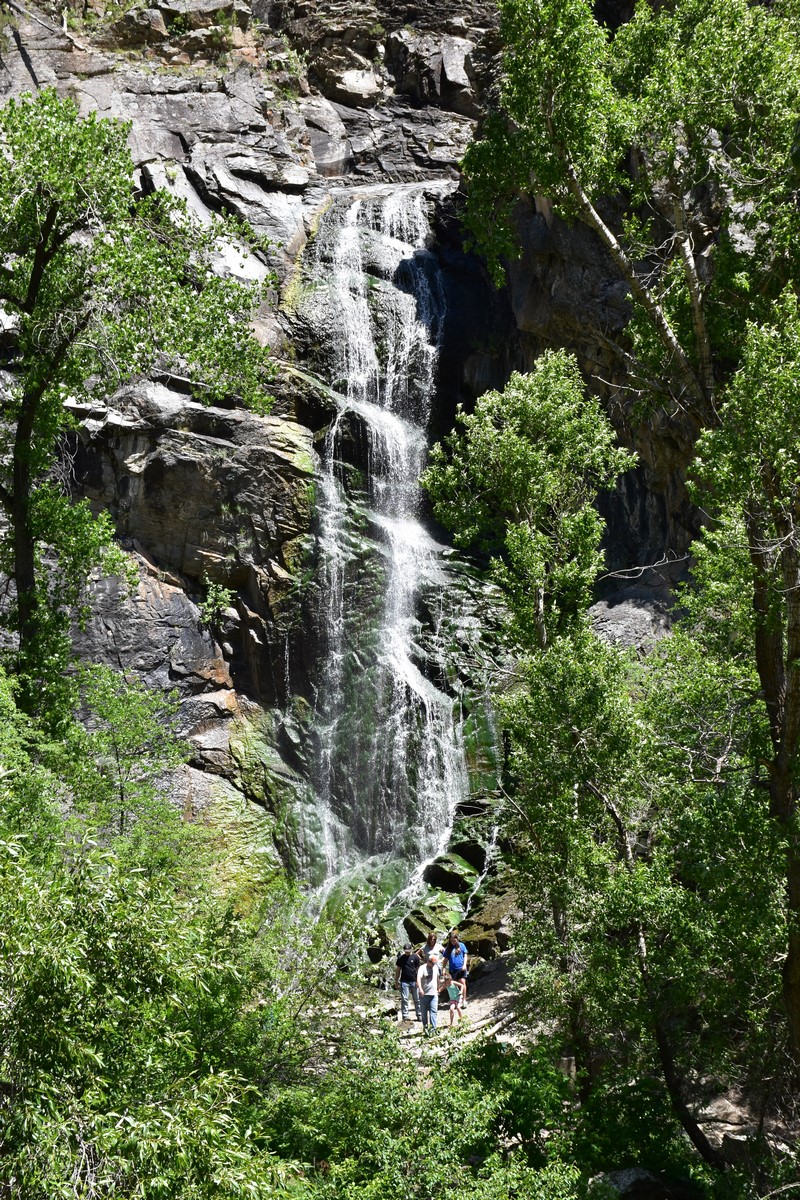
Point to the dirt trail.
(489, 1010)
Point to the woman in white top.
(429, 980)
(432, 945)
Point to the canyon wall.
(270, 112)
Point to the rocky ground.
(489, 1012)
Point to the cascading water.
(390, 764)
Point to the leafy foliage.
(217, 599)
(518, 477)
(115, 998)
(117, 760)
(638, 815)
(687, 117)
(688, 113)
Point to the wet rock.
(246, 830)
(440, 911)
(451, 873)
(381, 947)
(470, 851)
(263, 776)
(329, 141)
(488, 931)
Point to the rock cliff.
(259, 111)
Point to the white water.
(390, 765)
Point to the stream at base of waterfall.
(395, 608)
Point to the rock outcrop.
(209, 495)
(259, 112)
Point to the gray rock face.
(153, 630)
(260, 113)
(208, 494)
(565, 291)
(434, 68)
(636, 619)
(330, 144)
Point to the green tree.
(116, 757)
(119, 1068)
(518, 476)
(99, 286)
(627, 877)
(688, 114)
(748, 466)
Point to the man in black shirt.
(405, 976)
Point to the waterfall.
(390, 766)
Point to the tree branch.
(686, 251)
(645, 297)
(43, 254)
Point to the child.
(456, 991)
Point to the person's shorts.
(459, 973)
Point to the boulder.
(433, 69)
(636, 619)
(203, 14)
(471, 851)
(450, 873)
(438, 911)
(488, 930)
(637, 1183)
(138, 27)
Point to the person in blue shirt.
(456, 959)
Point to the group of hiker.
(422, 974)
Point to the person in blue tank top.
(456, 959)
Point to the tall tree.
(750, 464)
(688, 115)
(619, 935)
(96, 285)
(519, 476)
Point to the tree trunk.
(663, 1041)
(24, 550)
(776, 601)
(641, 293)
(580, 1047)
(791, 968)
